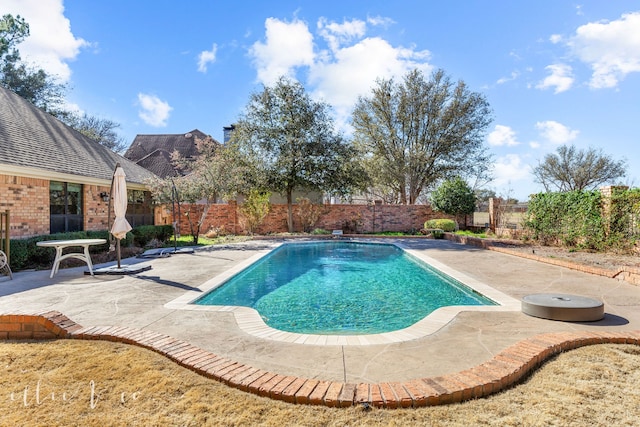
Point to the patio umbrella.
(120, 225)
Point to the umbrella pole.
(118, 250)
(176, 226)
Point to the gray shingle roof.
(29, 137)
(154, 151)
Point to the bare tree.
(100, 130)
(571, 169)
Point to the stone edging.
(502, 371)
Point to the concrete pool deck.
(469, 340)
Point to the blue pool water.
(343, 288)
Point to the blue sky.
(555, 72)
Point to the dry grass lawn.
(102, 383)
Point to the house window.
(65, 202)
(139, 208)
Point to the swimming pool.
(338, 287)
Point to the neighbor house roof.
(34, 141)
(154, 151)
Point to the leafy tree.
(100, 130)
(31, 83)
(571, 169)
(454, 197)
(484, 194)
(12, 32)
(291, 140)
(418, 132)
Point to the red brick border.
(627, 274)
(502, 371)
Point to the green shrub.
(437, 234)
(480, 235)
(25, 253)
(143, 234)
(443, 224)
(320, 231)
(22, 251)
(572, 219)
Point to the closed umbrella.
(120, 225)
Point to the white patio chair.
(4, 264)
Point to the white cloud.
(339, 73)
(502, 135)
(555, 38)
(352, 70)
(555, 132)
(611, 48)
(154, 111)
(51, 44)
(514, 75)
(337, 34)
(288, 45)
(509, 169)
(380, 21)
(561, 78)
(206, 57)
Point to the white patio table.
(59, 245)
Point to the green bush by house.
(26, 254)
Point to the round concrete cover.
(570, 308)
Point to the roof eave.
(27, 172)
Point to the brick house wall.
(95, 210)
(28, 201)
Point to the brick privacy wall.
(222, 217)
(349, 218)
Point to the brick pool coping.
(504, 370)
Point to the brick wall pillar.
(608, 207)
(494, 213)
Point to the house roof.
(33, 139)
(154, 151)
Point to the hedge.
(26, 254)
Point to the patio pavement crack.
(344, 363)
(158, 319)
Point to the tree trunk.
(403, 196)
(289, 210)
